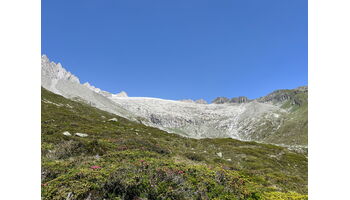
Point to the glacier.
(194, 119)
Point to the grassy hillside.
(120, 159)
(292, 126)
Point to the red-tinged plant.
(95, 167)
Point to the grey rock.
(113, 119)
(241, 99)
(201, 101)
(121, 94)
(59, 81)
(66, 133)
(81, 134)
(221, 100)
(280, 96)
(69, 196)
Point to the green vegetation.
(120, 159)
(293, 125)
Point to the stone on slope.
(66, 133)
(81, 134)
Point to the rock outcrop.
(296, 96)
(221, 100)
(58, 80)
(240, 99)
(121, 94)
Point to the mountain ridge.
(260, 119)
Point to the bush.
(284, 196)
(194, 156)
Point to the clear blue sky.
(179, 49)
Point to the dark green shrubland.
(127, 160)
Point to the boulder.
(219, 154)
(113, 119)
(81, 134)
(66, 133)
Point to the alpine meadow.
(175, 100)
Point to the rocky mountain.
(58, 80)
(279, 117)
(239, 100)
(221, 100)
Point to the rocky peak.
(297, 96)
(97, 90)
(241, 99)
(91, 87)
(221, 100)
(55, 71)
(302, 88)
(121, 94)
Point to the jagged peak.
(87, 84)
(91, 87)
(44, 56)
(121, 94)
(56, 71)
(221, 100)
(201, 101)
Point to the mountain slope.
(114, 158)
(278, 118)
(56, 79)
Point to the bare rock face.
(302, 88)
(121, 94)
(59, 81)
(296, 96)
(97, 90)
(55, 71)
(221, 100)
(240, 99)
(51, 73)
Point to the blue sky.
(180, 49)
